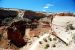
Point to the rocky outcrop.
(7, 13)
(17, 21)
(65, 14)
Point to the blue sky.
(41, 5)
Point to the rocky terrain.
(17, 26)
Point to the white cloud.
(44, 10)
(48, 5)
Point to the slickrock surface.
(31, 30)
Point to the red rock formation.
(33, 15)
(65, 14)
(15, 37)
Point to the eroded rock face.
(30, 20)
(15, 37)
(7, 13)
(65, 14)
(33, 15)
(16, 32)
(6, 16)
(20, 26)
